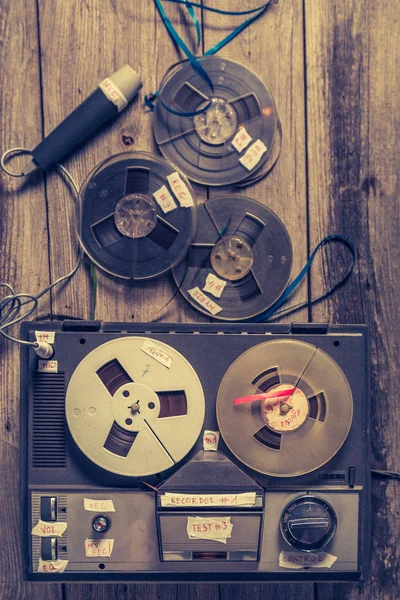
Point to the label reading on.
(157, 353)
(253, 155)
(241, 140)
(45, 336)
(180, 190)
(44, 529)
(299, 560)
(245, 499)
(52, 566)
(210, 440)
(164, 199)
(98, 505)
(48, 366)
(99, 547)
(218, 529)
(113, 93)
(214, 285)
(206, 302)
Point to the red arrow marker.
(272, 396)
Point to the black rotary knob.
(101, 523)
(308, 523)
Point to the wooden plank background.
(333, 67)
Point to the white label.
(180, 190)
(206, 302)
(95, 505)
(157, 353)
(217, 529)
(210, 440)
(45, 336)
(214, 285)
(45, 529)
(164, 199)
(52, 566)
(48, 366)
(241, 140)
(299, 560)
(245, 499)
(113, 93)
(253, 155)
(99, 547)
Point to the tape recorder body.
(118, 479)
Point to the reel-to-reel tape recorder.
(206, 452)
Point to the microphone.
(112, 95)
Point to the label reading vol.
(45, 529)
(253, 155)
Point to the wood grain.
(353, 125)
(24, 265)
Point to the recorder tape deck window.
(118, 480)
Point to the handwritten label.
(218, 529)
(99, 547)
(169, 499)
(180, 190)
(299, 560)
(45, 336)
(48, 366)
(206, 302)
(98, 505)
(157, 353)
(45, 529)
(214, 285)
(210, 440)
(164, 199)
(241, 140)
(113, 93)
(253, 155)
(52, 566)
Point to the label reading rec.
(157, 353)
(218, 529)
(45, 336)
(99, 547)
(180, 190)
(164, 199)
(299, 560)
(95, 505)
(181, 500)
(253, 155)
(214, 285)
(48, 366)
(210, 440)
(52, 566)
(113, 93)
(45, 529)
(204, 301)
(241, 140)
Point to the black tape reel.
(298, 434)
(132, 224)
(241, 246)
(201, 145)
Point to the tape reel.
(295, 436)
(137, 215)
(242, 247)
(201, 145)
(131, 414)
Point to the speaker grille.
(48, 421)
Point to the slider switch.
(49, 548)
(48, 508)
